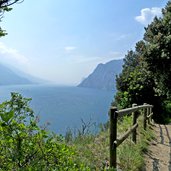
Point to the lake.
(64, 107)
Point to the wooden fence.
(145, 109)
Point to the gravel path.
(158, 157)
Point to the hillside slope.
(103, 77)
(8, 77)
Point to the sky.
(64, 40)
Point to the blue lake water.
(64, 107)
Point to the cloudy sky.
(64, 40)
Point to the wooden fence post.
(135, 116)
(150, 119)
(145, 117)
(113, 136)
(148, 113)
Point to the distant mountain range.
(103, 77)
(10, 77)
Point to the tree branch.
(7, 3)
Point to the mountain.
(9, 77)
(103, 77)
(29, 77)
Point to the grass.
(93, 150)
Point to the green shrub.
(166, 111)
(25, 146)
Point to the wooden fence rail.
(146, 109)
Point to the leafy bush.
(166, 113)
(25, 146)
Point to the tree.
(146, 74)
(135, 83)
(5, 6)
(157, 53)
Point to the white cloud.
(12, 54)
(69, 48)
(148, 14)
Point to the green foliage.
(135, 83)
(25, 146)
(130, 157)
(93, 150)
(157, 55)
(5, 6)
(146, 73)
(166, 105)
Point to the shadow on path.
(155, 164)
(161, 135)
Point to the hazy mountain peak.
(103, 77)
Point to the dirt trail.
(158, 157)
